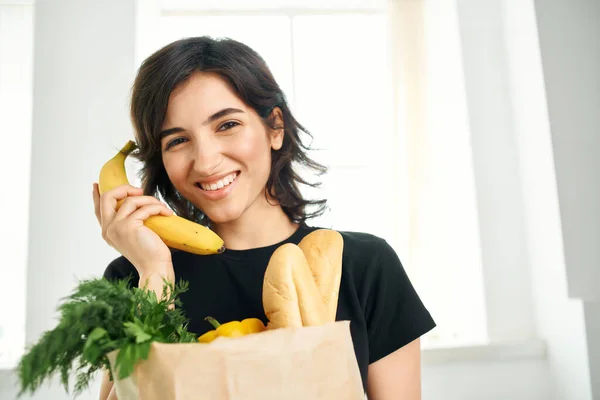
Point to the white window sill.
(495, 352)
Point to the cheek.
(255, 151)
(175, 170)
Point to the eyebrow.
(219, 114)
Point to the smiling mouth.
(220, 184)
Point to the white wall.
(515, 380)
(569, 35)
(522, 235)
(591, 311)
(505, 257)
(560, 320)
(84, 66)
(570, 51)
(569, 43)
(16, 96)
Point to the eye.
(228, 125)
(175, 142)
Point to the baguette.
(323, 250)
(290, 294)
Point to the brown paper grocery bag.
(291, 363)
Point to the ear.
(277, 133)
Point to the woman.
(218, 143)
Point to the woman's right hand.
(124, 229)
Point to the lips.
(218, 184)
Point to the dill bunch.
(98, 317)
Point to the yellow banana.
(177, 232)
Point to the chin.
(223, 216)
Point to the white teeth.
(219, 184)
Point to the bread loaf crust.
(301, 282)
(290, 294)
(323, 249)
(312, 309)
(280, 297)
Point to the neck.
(261, 225)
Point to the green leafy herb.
(98, 317)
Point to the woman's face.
(215, 149)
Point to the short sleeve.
(395, 315)
(119, 269)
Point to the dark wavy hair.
(249, 76)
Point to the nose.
(207, 157)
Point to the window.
(390, 174)
(16, 85)
(305, 62)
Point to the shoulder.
(366, 254)
(362, 244)
(357, 244)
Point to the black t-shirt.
(376, 296)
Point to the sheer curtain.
(16, 85)
(439, 234)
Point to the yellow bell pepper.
(232, 329)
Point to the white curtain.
(16, 85)
(439, 230)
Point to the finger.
(96, 198)
(131, 204)
(108, 200)
(143, 213)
